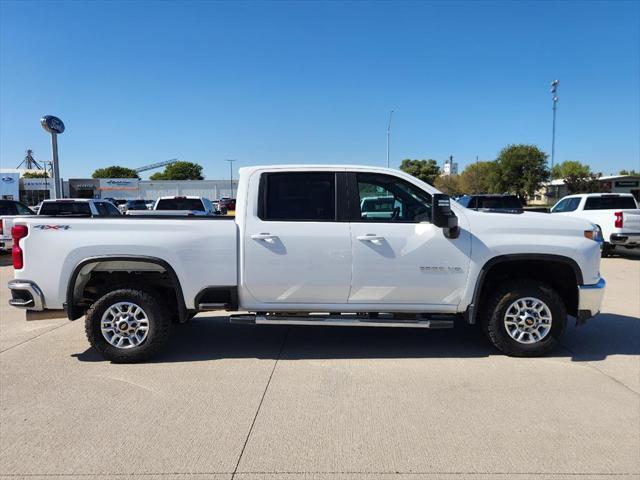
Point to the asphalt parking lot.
(231, 401)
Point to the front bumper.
(626, 239)
(26, 294)
(590, 300)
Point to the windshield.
(180, 204)
(65, 208)
(610, 203)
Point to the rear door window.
(612, 202)
(303, 196)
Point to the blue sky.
(313, 82)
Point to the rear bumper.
(630, 239)
(590, 300)
(26, 294)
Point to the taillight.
(619, 220)
(1, 227)
(18, 232)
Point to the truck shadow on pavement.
(211, 338)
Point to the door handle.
(267, 237)
(370, 237)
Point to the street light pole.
(554, 91)
(231, 160)
(389, 136)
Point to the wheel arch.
(75, 311)
(566, 267)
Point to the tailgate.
(631, 221)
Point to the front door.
(296, 250)
(399, 257)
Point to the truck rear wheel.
(128, 325)
(524, 318)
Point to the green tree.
(585, 183)
(570, 167)
(115, 171)
(449, 184)
(425, 170)
(479, 177)
(179, 171)
(41, 174)
(628, 172)
(521, 170)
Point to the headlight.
(593, 234)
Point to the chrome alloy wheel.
(124, 325)
(528, 320)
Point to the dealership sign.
(627, 183)
(52, 124)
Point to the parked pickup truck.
(299, 251)
(178, 206)
(615, 214)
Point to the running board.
(340, 321)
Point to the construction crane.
(156, 165)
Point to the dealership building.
(31, 191)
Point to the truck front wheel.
(524, 318)
(128, 325)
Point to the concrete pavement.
(228, 401)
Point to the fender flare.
(74, 313)
(471, 313)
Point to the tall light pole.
(231, 160)
(389, 135)
(554, 96)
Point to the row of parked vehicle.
(616, 215)
(89, 207)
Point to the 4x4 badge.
(52, 227)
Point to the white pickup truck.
(615, 214)
(299, 251)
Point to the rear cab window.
(65, 208)
(610, 202)
(180, 204)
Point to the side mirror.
(442, 216)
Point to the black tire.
(158, 330)
(607, 250)
(500, 300)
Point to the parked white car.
(615, 214)
(301, 251)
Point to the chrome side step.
(212, 306)
(341, 321)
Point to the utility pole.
(554, 96)
(477, 179)
(389, 136)
(231, 160)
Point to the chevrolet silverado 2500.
(301, 251)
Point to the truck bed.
(201, 250)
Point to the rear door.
(297, 247)
(399, 257)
